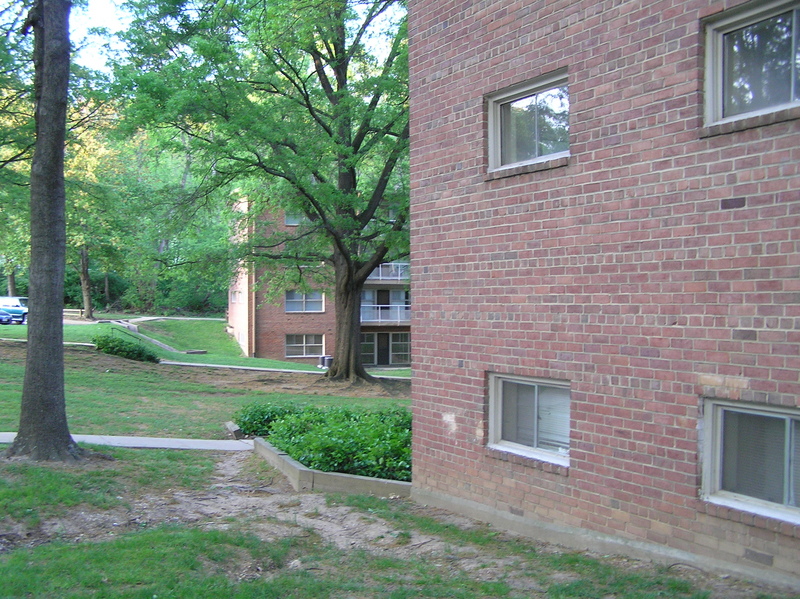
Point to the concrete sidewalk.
(153, 442)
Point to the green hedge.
(255, 419)
(110, 344)
(367, 443)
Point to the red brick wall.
(273, 323)
(658, 265)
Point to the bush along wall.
(109, 344)
(367, 443)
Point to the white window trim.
(304, 310)
(372, 361)
(291, 219)
(304, 346)
(495, 420)
(716, 28)
(711, 438)
(511, 94)
(392, 343)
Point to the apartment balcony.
(373, 314)
(391, 271)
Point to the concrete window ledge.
(305, 479)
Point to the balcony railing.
(393, 314)
(391, 271)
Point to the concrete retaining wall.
(306, 479)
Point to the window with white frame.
(400, 348)
(368, 347)
(296, 301)
(529, 123)
(530, 417)
(293, 219)
(752, 458)
(753, 61)
(304, 346)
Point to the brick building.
(606, 245)
(301, 326)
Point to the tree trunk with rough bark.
(43, 432)
(347, 363)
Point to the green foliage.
(256, 419)
(72, 288)
(285, 107)
(20, 280)
(367, 443)
(116, 346)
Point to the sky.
(99, 13)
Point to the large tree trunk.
(43, 432)
(86, 285)
(347, 362)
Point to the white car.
(16, 306)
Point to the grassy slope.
(158, 400)
(150, 401)
(182, 335)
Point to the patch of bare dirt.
(239, 493)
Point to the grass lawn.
(228, 558)
(152, 400)
(225, 557)
(185, 335)
(208, 335)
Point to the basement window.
(530, 417)
(752, 458)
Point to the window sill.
(541, 460)
(755, 507)
(531, 167)
(751, 122)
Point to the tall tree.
(43, 432)
(178, 251)
(16, 141)
(303, 106)
(95, 218)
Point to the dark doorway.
(383, 348)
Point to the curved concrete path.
(154, 442)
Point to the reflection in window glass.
(534, 126)
(535, 415)
(760, 65)
(298, 346)
(304, 302)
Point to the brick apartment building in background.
(301, 326)
(606, 245)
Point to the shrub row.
(367, 443)
(109, 344)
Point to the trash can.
(325, 361)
